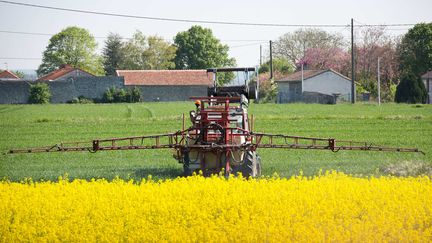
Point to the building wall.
(62, 91)
(289, 92)
(14, 92)
(171, 93)
(318, 89)
(328, 83)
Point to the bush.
(411, 89)
(39, 93)
(116, 95)
(134, 95)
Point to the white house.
(318, 86)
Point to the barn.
(168, 85)
(318, 86)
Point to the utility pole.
(379, 83)
(260, 55)
(353, 94)
(271, 60)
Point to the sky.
(24, 51)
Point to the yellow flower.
(329, 207)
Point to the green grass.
(40, 125)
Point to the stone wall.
(62, 91)
(170, 93)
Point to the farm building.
(65, 72)
(8, 75)
(318, 86)
(427, 81)
(168, 85)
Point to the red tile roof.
(166, 77)
(6, 74)
(64, 69)
(306, 74)
(427, 75)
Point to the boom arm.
(177, 141)
(265, 140)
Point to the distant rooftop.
(166, 77)
(297, 76)
(63, 70)
(6, 74)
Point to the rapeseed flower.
(329, 207)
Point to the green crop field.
(40, 125)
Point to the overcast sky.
(244, 41)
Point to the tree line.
(403, 59)
(196, 48)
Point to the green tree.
(280, 65)
(415, 50)
(20, 74)
(74, 46)
(112, 53)
(411, 89)
(415, 59)
(197, 48)
(143, 52)
(39, 93)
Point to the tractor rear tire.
(251, 166)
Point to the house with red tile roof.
(65, 72)
(8, 75)
(323, 84)
(168, 85)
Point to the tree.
(415, 59)
(18, 73)
(330, 58)
(197, 48)
(293, 46)
(410, 89)
(280, 65)
(415, 50)
(74, 46)
(143, 52)
(39, 93)
(112, 53)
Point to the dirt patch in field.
(408, 168)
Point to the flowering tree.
(329, 58)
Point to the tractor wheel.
(186, 170)
(252, 92)
(251, 166)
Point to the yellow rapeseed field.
(331, 207)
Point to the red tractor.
(221, 137)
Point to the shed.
(318, 86)
(168, 85)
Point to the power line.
(195, 21)
(172, 19)
(105, 37)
